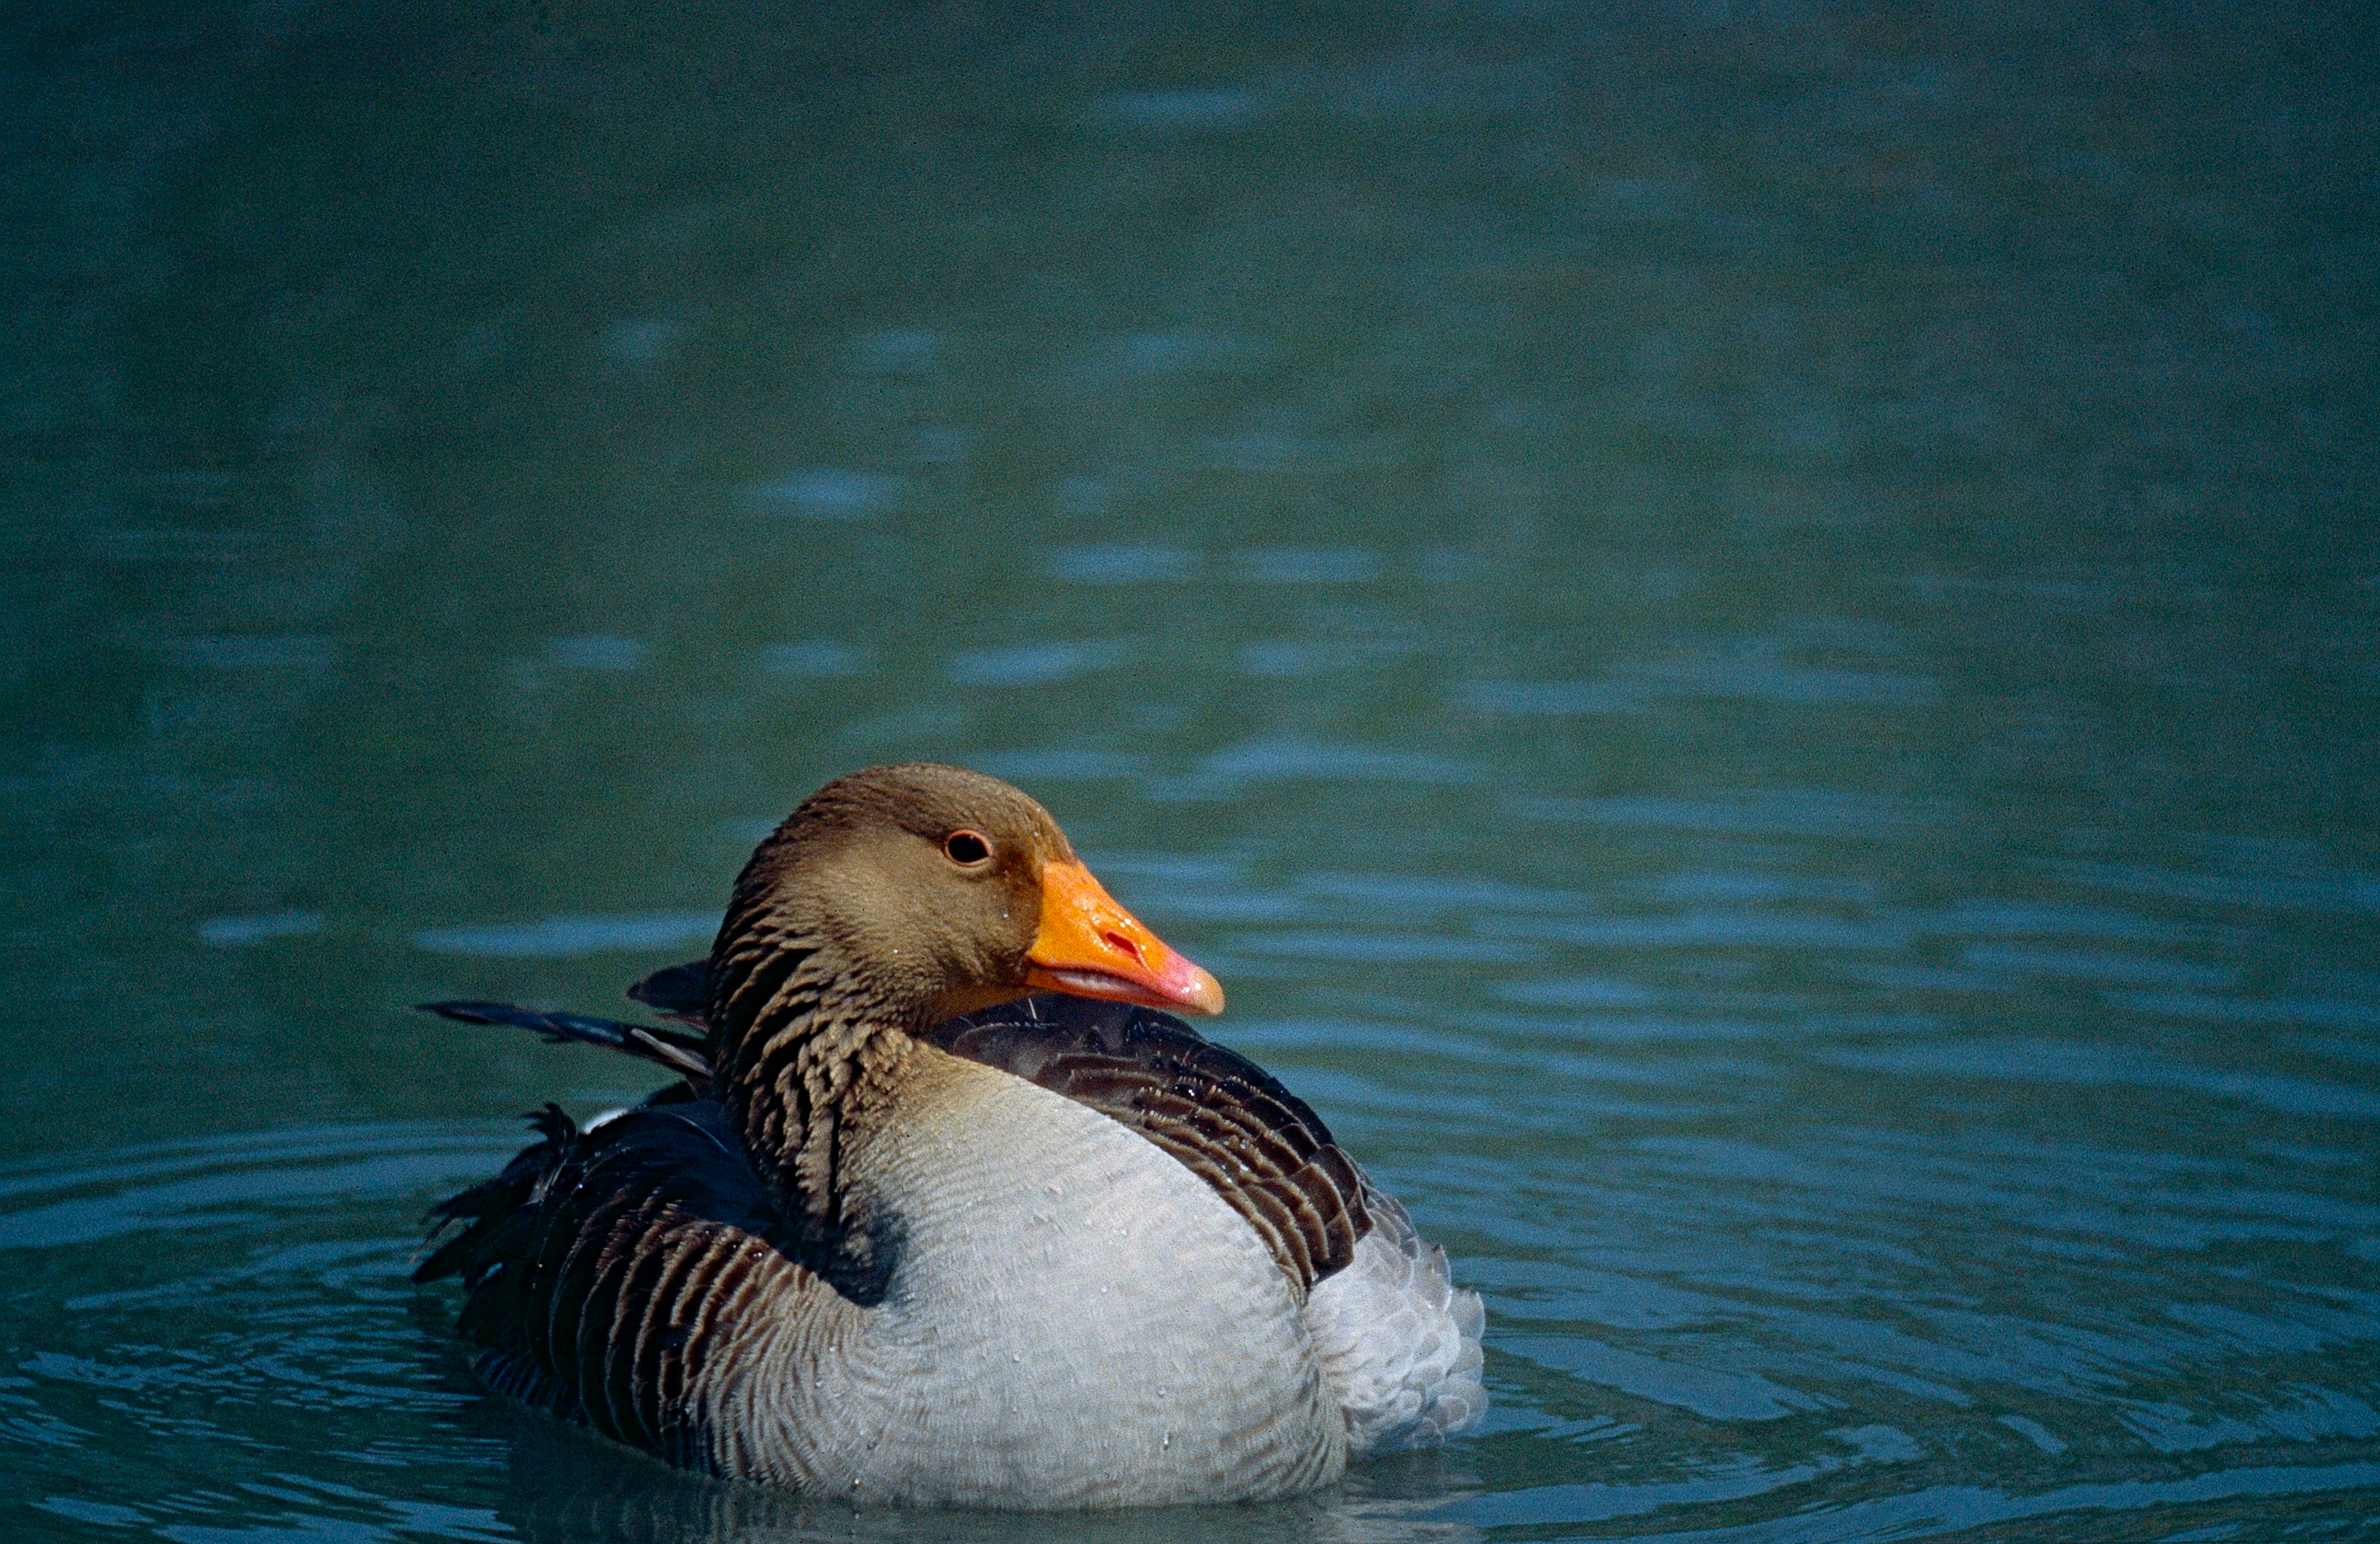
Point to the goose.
(943, 1208)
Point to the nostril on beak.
(1118, 942)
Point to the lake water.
(1750, 634)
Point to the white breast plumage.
(1076, 1320)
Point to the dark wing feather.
(682, 992)
(1222, 1116)
(683, 1054)
(606, 1270)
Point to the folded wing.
(616, 1275)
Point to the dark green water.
(1749, 633)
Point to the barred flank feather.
(597, 1267)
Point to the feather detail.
(681, 1053)
(1397, 1340)
(597, 1264)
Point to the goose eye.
(967, 849)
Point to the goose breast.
(1074, 1320)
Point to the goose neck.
(807, 1054)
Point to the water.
(1747, 633)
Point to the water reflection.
(567, 1491)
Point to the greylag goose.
(943, 1209)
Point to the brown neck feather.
(805, 1051)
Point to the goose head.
(937, 891)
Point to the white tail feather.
(1397, 1339)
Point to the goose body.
(1107, 1244)
(1072, 1256)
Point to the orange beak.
(1089, 947)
